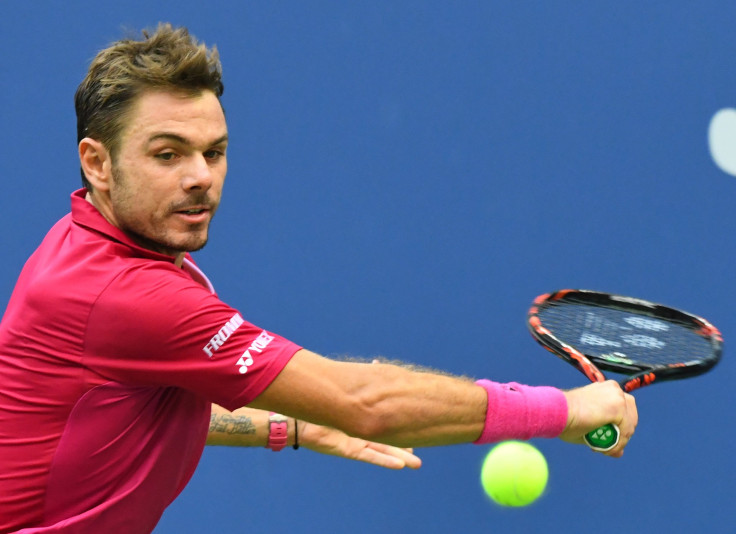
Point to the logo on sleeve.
(258, 345)
(222, 335)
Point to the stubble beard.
(153, 233)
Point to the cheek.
(138, 189)
(220, 181)
(133, 201)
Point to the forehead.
(197, 117)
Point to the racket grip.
(604, 438)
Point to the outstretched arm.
(394, 405)
(248, 427)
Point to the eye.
(165, 156)
(214, 154)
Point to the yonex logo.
(260, 343)
(222, 335)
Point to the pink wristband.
(516, 411)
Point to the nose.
(197, 175)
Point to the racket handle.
(604, 438)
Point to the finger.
(627, 425)
(631, 418)
(381, 460)
(392, 457)
(405, 456)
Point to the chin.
(174, 248)
(194, 245)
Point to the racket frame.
(638, 374)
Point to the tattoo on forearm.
(229, 424)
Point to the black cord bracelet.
(296, 434)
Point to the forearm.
(381, 402)
(248, 427)
(244, 427)
(423, 408)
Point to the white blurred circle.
(722, 140)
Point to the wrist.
(516, 411)
(282, 431)
(278, 431)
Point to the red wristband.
(516, 411)
(277, 431)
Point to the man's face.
(169, 171)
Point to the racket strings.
(619, 336)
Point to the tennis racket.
(644, 341)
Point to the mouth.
(194, 214)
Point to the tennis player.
(119, 361)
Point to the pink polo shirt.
(110, 357)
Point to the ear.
(96, 163)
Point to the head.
(166, 59)
(152, 138)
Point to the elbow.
(368, 420)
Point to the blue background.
(404, 178)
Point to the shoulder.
(154, 307)
(152, 288)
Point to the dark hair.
(167, 59)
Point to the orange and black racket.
(645, 341)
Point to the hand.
(595, 405)
(327, 440)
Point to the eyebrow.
(183, 140)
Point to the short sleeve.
(154, 325)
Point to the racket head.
(642, 340)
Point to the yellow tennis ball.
(514, 473)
